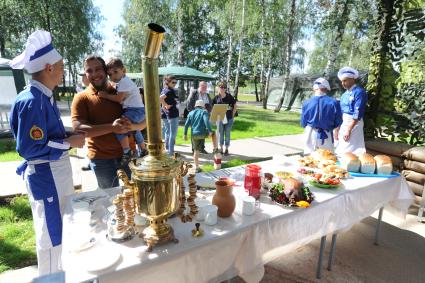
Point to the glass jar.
(252, 183)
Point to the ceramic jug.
(224, 198)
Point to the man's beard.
(101, 87)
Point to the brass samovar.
(156, 179)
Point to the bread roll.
(323, 154)
(384, 164)
(350, 162)
(367, 163)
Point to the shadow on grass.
(242, 125)
(13, 256)
(21, 207)
(268, 115)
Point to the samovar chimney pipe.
(154, 37)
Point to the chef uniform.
(320, 116)
(353, 105)
(39, 132)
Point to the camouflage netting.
(300, 88)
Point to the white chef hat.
(348, 72)
(200, 103)
(38, 52)
(321, 83)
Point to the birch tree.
(287, 53)
(230, 33)
(340, 16)
(241, 40)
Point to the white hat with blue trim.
(321, 83)
(200, 103)
(38, 52)
(348, 72)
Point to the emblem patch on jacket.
(36, 133)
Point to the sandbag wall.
(394, 150)
(407, 159)
(414, 170)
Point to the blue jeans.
(164, 131)
(106, 172)
(171, 127)
(135, 115)
(224, 131)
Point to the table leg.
(331, 253)
(319, 263)
(378, 226)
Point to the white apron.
(312, 142)
(48, 253)
(356, 142)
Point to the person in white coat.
(42, 141)
(320, 116)
(350, 136)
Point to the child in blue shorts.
(128, 95)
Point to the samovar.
(156, 179)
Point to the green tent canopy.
(181, 73)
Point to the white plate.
(80, 206)
(100, 258)
(83, 244)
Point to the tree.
(340, 16)
(287, 53)
(355, 45)
(73, 32)
(241, 38)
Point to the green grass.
(7, 151)
(252, 122)
(256, 122)
(246, 97)
(17, 238)
(228, 164)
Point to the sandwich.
(384, 164)
(336, 171)
(350, 162)
(367, 163)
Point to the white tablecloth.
(239, 244)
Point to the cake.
(367, 163)
(350, 162)
(384, 164)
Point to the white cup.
(201, 204)
(248, 205)
(211, 214)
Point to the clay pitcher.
(224, 198)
